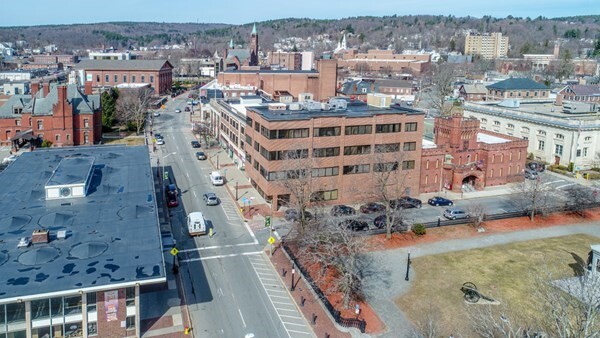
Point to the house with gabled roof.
(61, 114)
(517, 88)
(579, 93)
(472, 92)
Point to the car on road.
(354, 225)
(531, 174)
(293, 215)
(342, 210)
(9, 159)
(171, 191)
(178, 110)
(157, 136)
(200, 155)
(456, 213)
(406, 202)
(381, 221)
(187, 109)
(156, 114)
(210, 198)
(438, 200)
(370, 208)
(537, 166)
(195, 144)
(160, 141)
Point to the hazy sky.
(41, 12)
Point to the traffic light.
(268, 221)
(166, 175)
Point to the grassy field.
(505, 273)
(128, 140)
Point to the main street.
(230, 286)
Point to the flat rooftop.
(112, 234)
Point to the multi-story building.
(58, 113)
(376, 60)
(110, 73)
(517, 88)
(359, 89)
(489, 45)
(111, 56)
(555, 134)
(286, 60)
(464, 157)
(66, 60)
(579, 93)
(321, 82)
(342, 146)
(472, 92)
(83, 240)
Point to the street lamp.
(293, 273)
(217, 155)
(407, 266)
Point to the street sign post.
(174, 251)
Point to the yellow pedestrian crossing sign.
(271, 240)
(174, 251)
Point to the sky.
(44, 12)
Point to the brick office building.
(344, 148)
(321, 82)
(465, 157)
(59, 113)
(380, 60)
(110, 73)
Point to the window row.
(115, 78)
(332, 131)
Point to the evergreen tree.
(109, 107)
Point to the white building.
(554, 136)
(308, 59)
(111, 56)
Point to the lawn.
(505, 273)
(127, 140)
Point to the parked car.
(537, 166)
(160, 141)
(455, 213)
(381, 221)
(172, 200)
(438, 200)
(178, 110)
(405, 202)
(157, 136)
(342, 210)
(293, 215)
(200, 155)
(156, 114)
(370, 208)
(210, 198)
(531, 174)
(187, 109)
(354, 225)
(195, 144)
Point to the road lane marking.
(243, 322)
(250, 232)
(196, 196)
(217, 247)
(564, 185)
(278, 296)
(220, 256)
(303, 332)
(546, 183)
(277, 302)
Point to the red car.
(172, 200)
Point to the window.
(97, 77)
(541, 145)
(510, 126)
(86, 123)
(106, 77)
(284, 154)
(578, 153)
(68, 137)
(525, 130)
(385, 167)
(408, 165)
(255, 165)
(387, 128)
(483, 120)
(248, 139)
(387, 148)
(558, 149)
(130, 323)
(326, 152)
(151, 78)
(286, 133)
(249, 121)
(125, 78)
(357, 169)
(587, 138)
(585, 152)
(57, 138)
(357, 150)
(86, 138)
(541, 132)
(560, 136)
(116, 78)
(256, 146)
(91, 301)
(92, 329)
(257, 127)
(130, 296)
(72, 305)
(497, 123)
(411, 126)
(327, 131)
(327, 195)
(324, 172)
(17, 122)
(143, 78)
(358, 130)
(410, 146)
(133, 78)
(40, 125)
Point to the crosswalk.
(293, 321)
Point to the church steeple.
(231, 43)
(254, 47)
(254, 29)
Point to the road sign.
(271, 240)
(166, 175)
(244, 200)
(174, 251)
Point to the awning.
(26, 135)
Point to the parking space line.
(278, 296)
(288, 323)
(276, 302)
(303, 332)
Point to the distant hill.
(527, 35)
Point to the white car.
(156, 114)
(10, 159)
(160, 141)
(178, 110)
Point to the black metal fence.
(345, 322)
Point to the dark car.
(536, 166)
(293, 215)
(172, 199)
(187, 108)
(381, 221)
(210, 198)
(370, 208)
(438, 200)
(195, 144)
(355, 225)
(200, 155)
(158, 136)
(405, 202)
(342, 210)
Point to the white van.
(216, 178)
(196, 224)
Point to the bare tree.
(476, 213)
(362, 68)
(132, 106)
(489, 321)
(443, 77)
(531, 195)
(579, 199)
(429, 326)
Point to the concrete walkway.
(386, 281)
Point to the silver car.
(210, 198)
(455, 213)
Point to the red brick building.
(381, 60)
(465, 155)
(345, 149)
(110, 73)
(322, 82)
(58, 113)
(287, 60)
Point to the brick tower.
(254, 47)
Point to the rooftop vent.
(61, 234)
(39, 236)
(71, 178)
(277, 106)
(295, 106)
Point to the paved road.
(232, 288)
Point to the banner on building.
(111, 305)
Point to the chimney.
(88, 88)
(39, 236)
(45, 89)
(62, 94)
(35, 88)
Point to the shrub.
(592, 176)
(419, 229)
(571, 165)
(530, 156)
(46, 144)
